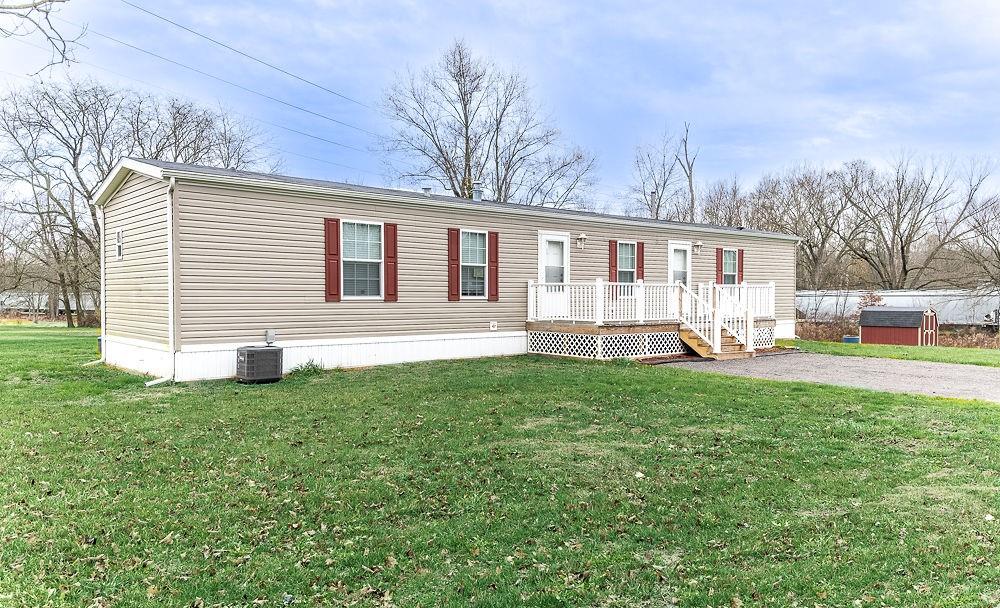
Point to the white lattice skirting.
(608, 346)
(763, 337)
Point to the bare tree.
(981, 247)
(463, 120)
(26, 17)
(906, 219)
(58, 142)
(725, 203)
(12, 261)
(686, 159)
(656, 181)
(806, 202)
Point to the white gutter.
(171, 339)
(104, 308)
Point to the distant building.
(38, 302)
(954, 306)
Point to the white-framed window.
(626, 261)
(730, 266)
(361, 259)
(473, 261)
(119, 244)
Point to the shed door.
(929, 329)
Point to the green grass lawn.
(942, 354)
(496, 482)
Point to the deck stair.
(731, 347)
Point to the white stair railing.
(731, 317)
(697, 314)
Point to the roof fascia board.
(415, 199)
(118, 175)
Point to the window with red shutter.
(640, 260)
(739, 271)
(390, 256)
(493, 272)
(454, 266)
(730, 266)
(613, 261)
(718, 265)
(331, 235)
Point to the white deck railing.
(707, 309)
(602, 302)
(758, 297)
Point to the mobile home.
(200, 261)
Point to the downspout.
(104, 313)
(103, 338)
(170, 288)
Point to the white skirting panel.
(214, 361)
(140, 356)
(784, 330)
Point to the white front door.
(679, 267)
(553, 274)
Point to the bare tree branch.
(463, 121)
(35, 17)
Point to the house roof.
(892, 316)
(165, 170)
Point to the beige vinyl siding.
(136, 286)
(252, 260)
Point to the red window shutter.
(391, 259)
(739, 266)
(640, 260)
(613, 261)
(718, 265)
(493, 266)
(454, 266)
(331, 234)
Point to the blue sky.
(766, 84)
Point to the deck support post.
(640, 301)
(716, 320)
(749, 329)
(598, 301)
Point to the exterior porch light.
(697, 247)
(581, 240)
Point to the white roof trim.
(117, 177)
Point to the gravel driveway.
(921, 377)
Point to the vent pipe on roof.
(477, 190)
(427, 190)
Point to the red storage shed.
(906, 326)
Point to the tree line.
(911, 223)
